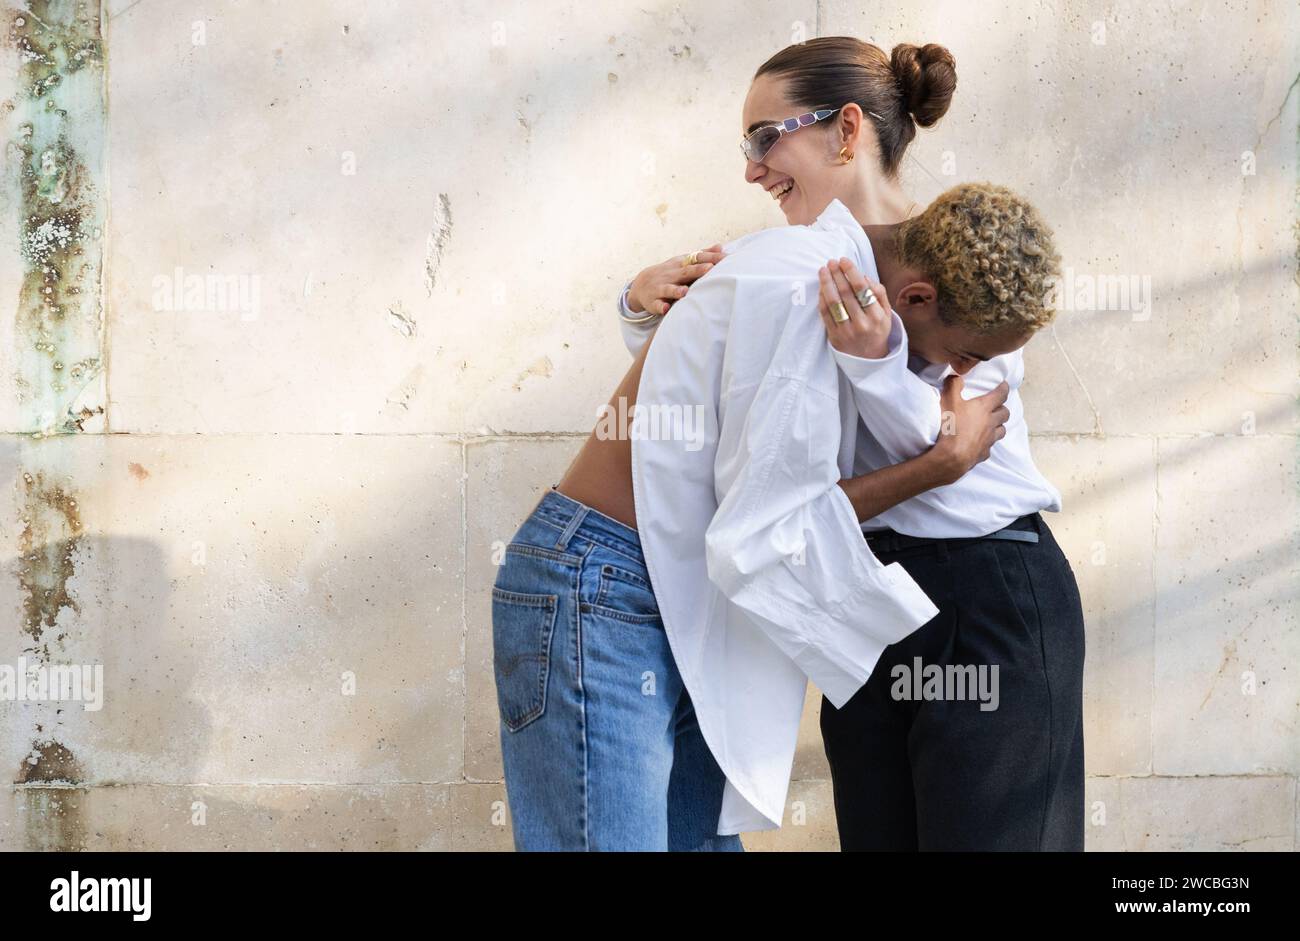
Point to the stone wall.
(307, 303)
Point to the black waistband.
(1025, 529)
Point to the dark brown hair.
(912, 86)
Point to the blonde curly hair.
(989, 254)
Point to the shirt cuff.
(888, 606)
(623, 307)
(876, 373)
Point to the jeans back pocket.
(522, 628)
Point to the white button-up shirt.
(898, 399)
(743, 428)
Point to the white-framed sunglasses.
(757, 144)
(763, 139)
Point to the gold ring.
(691, 259)
(838, 313)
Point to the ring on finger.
(866, 297)
(691, 259)
(838, 313)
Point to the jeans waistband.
(1027, 528)
(573, 517)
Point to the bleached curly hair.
(990, 256)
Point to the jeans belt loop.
(578, 516)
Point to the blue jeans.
(599, 739)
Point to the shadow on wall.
(223, 678)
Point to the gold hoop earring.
(843, 157)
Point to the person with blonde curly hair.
(990, 254)
(975, 273)
(915, 763)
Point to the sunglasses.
(757, 144)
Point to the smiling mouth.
(781, 190)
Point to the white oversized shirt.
(898, 399)
(743, 428)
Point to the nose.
(753, 171)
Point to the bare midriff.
(601, 475)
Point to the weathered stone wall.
(306, 303)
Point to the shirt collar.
(837, 216)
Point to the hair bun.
(927, 77)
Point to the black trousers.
(941, 773)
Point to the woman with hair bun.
(645, 702)
(892, 95)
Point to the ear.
(917, 294)
(851, 120)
